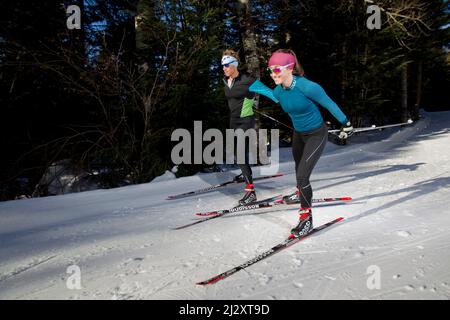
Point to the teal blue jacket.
(301, 102)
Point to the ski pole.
(265, 115)
(374, 127)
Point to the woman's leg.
(313, 145)
(297, 148)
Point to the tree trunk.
(249, 38)
(79, 37)
(418, 90)
(249, 44)
(344, 82)
(144, 11)
(404, 93)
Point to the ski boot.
(305, 224)
(292, 198)
(249, 196)
(238, 178)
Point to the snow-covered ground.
(393, 244)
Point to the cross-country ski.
(218, 186)
(262, 204)
(266, 203)
(277, 248)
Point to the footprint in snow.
(264, 279)
(297, 262)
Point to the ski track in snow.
(122, 241)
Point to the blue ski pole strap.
(261, 88)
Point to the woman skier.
(300, 97)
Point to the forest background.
(104, 98)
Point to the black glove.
(346, 131)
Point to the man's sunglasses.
(279, 69)
(227, 65)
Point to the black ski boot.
(238, 178)
(305, 225)
(249, 196)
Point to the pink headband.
(282, 59)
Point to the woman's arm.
(261, 88)
(316, 93)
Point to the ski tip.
(339, 219)
(210, 281)
(269, 176)
(277, 175)
(180, 227)
(346, 198)
(175, 197)
(206, 214)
